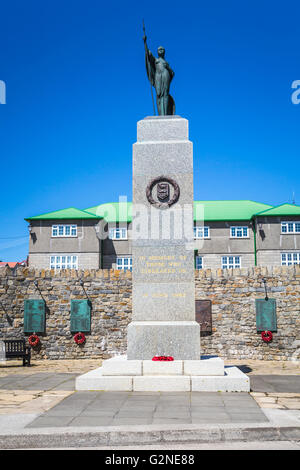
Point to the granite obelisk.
(163, 311)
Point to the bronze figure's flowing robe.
(160, 76)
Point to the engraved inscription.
(162, 264)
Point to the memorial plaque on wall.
(34, 316)
(80, 316)
(203, 316)
(266, 315)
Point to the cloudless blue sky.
(76, 86)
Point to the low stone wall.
(232, 292)
(108, 291)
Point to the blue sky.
(76, 86)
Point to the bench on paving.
(15, 348)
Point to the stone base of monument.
(205, 375)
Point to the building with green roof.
(281, 210)
(228, 234)
(65, 214)
(278, 235)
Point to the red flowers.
(33, 340)
(162, 358)
(79, 338)
(266, 336)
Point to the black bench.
(17, 348)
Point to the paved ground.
(38, 403)
(275, 383)
(75, 366)
(44, 384)
(127, 408)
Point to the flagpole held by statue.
(160, 76)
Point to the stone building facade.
(228, 234)
(232, 293)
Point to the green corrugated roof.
(70, 213)
(203, 210)
(212, 210)
(113, 211)
(282, 209)
(227, 210)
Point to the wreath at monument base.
(33, 340)
(266, 336)
(79, 338)
(163, 358)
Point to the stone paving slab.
(74, 366)
(275, 383)
(25, 402)
(106, 408)
(38, 392)
(281, 401)
(39, 381)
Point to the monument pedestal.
(168, 338)
(163, 288)
(163, 296)
(205, 375)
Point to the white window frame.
(124, 263)
(199, 262)
(201, 232)
(63, 261)
(230, 261)
(236, 229)
(290, 227)
(118, 233)
(64, 231)
(290, 258)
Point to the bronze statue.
(160, 76)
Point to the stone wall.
(108, 291)
(232, 292)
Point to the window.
(199, 262)
(63, 262)
(201, 232)
(118, 233)
(231, 262)
(124, 264)
(290, 227)
(288, 259)
(239, 232)
(64, 230)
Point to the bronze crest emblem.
(163, 191)
(163, 200)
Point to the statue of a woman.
(160, 76)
